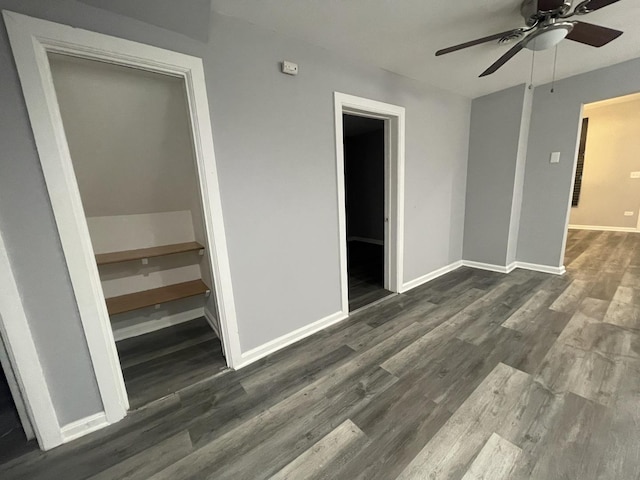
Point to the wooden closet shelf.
(140, 253)
(156, 296)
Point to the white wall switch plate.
(635, 175)
(628, 214)
(555, 157)
(289, 68)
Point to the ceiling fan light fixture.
(547, 26)
(549, 37)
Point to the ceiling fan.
(547, 26)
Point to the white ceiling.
(403, 35)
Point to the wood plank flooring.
(163, 362)
(364, 289)
(473, 375)
(366, 274)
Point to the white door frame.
(394, 133)
(31, 40)
(23, 358)
(567, 219)
(14, 389)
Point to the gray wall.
(278, 173)
(518, 184)
(364, 184)
(612, 153)
(555, 123)
(494, 141)
(129, 136)
(35, 252)
(275, 149)
(189, 17)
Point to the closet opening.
(130, 141)
(365, 205)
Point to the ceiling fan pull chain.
(533, 63)
(555, 63)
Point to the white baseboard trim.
(541, 268)
(512, 266)
(84, 426)
(257, 353)
(157, 324)
(604, 228)
(272, 346)
(366, 240)
(430, 276)
(490, 267)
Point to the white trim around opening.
(23, 358)
(394, 119)
(31, 40)
(565, 234)
(604, 228)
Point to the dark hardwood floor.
(364, 289)
(473, 375)
(13, 442)
(163, 362)
(366, 274)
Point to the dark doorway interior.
(365, 206)
(13, 441)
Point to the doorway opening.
(33, 41)
(605, 196)
(364, 154)
(129, 139)
(370, 165)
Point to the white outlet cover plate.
(635, 175)
(555, 157)
(628, 214)
(289, 68)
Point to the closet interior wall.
(130, 141)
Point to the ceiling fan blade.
(548, 5)
(479, 41)
(593, 5)
(593, 35)
(503, 59)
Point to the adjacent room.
(303, 240)
(364, 155)
(607, 191)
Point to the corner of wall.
(495, 175)
(518, 184)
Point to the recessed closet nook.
(129, 137)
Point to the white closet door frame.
(14, 389)
(22, 357)
(394, 139)
(31, 40)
